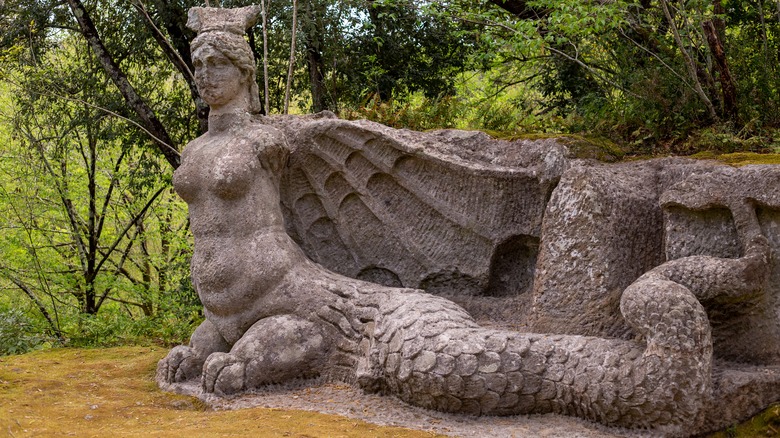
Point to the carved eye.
(220, 62)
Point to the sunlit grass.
(111, 392)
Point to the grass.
(110, 392)
(102, 392)
(740, 158)
(765, 424)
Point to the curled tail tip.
(667, 314)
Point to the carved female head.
(224, 62)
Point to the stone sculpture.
(490, 218)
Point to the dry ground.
(110, 392)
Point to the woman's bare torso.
(242, 252)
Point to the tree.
(403, 49)
(291, 68)
(79, 181)
(663, 66)
(149, 120)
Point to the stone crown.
(235, 21)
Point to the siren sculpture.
(625, 338)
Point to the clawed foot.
(224, 374)
(182, 363)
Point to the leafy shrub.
(114, 327)
(418, 113)
(18, 333)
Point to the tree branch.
(122, 234)
(144, 112)
(41, 308)
(689, 62)
(520, 9)
(178, 61)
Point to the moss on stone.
(597, 148)
(765, 424)
(739, 158)
(588, 147)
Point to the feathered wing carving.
(430, 210)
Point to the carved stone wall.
(451, 212)
(602, 229)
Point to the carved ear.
(250, 14)
(235, 21)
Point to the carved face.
(219, 81)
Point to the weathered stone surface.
(602, 229)
(645, 272)
(350, 185)
(744, 307)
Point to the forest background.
(97, 99)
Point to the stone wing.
(451, 212)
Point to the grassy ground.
(110, 392)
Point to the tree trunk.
(147, 304)
(93, 235)
(177, 48)
(315, 60)
(720, 24)
(317, 80)
(265, 55)
(151, 123)
(727, 84)
(291, 67)
(689, 62)
(90, 299)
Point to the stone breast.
(224, 167)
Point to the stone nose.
(205, 75)
(202, 71)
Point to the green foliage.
(630, 72)
(401, 49)
(91, 222)
(482, 101)
(417, 113)
(115, 326)
(359, 49)
(19, 333)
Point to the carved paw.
(223, 374)
(181, 363)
